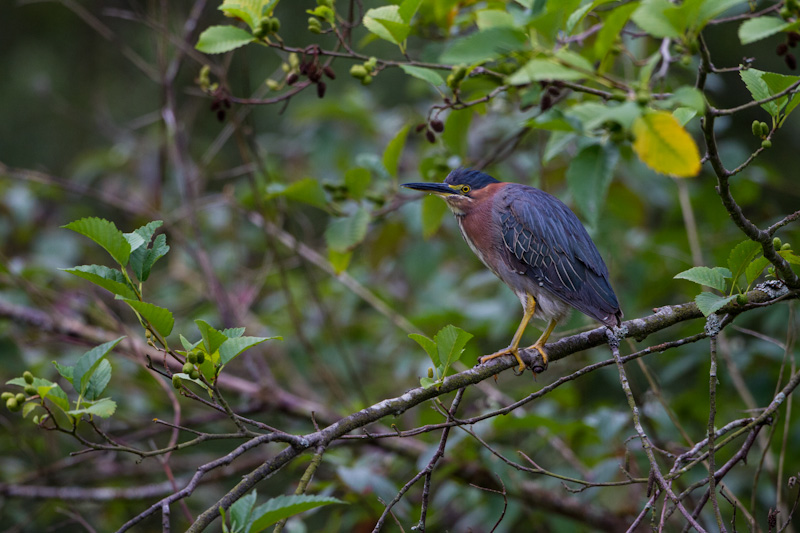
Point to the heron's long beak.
(441, 189)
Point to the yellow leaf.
(663, 145)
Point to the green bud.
(430, 373)
(452, 82)
(786, 246)
(294, 60)
(776, 243)
(619, 95)
(756, 128)
(6, 395)
(188, 367)
(371, 63)
(358, 71)
(30, 390)
(286, 67)
(177, 382)
(326, 13)
(274, 25)
(642, 97)
(12, 405)
(273, 85)
(20, 398)
(262, 28)
(785, 13)
(191, 357)
(366, 80)
(741, 299)
(766, 143)
(194, 374)
(201, 357)
(460, 72)
(686, 61)
(28, 377)
(764, 128)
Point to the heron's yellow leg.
(539, 344)
(513, 349)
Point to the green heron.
(535, 245)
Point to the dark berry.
(292, 78)
(791, 61)
(782, 49)
(430, 136)
(421, 126)
(329, 72)
(437, 125)
(321, 89)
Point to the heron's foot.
(511, 350)
(539, 347)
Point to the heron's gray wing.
(546, 242)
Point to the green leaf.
(710, 277)
(493, 18)
(408, 8)
(161, 319)
(424, 74)
(740, 258)
(577, 16)
(55, 394)
(99, 381)
(188, 346)
(88, 363)
(391, 156)
(386, 23)
(339, 260)
(105, 234)
(345, 233)
(708, 302)
(428, 345)
(684, 114)
(233, 333)
(110, 279)
(589, 176)
(307, 191)
(665, 146)
(485, 45)
(357, 181)
(612, 29)
(777, 83)
(212, 338)
(134, 239)
(65, 371)
(104, 408)
(433, 211)
(427, 382)
(143, 258)
(686, 96)
(233, 347)
(790, 257)
(711, 8)
(276, 509)
(753, 30)
(754, 269)
(250, 11)
(659, 18)
(241, 511)
(752, 78)
(456, 130)
(544, 69)
(220, 39)
(450, 342)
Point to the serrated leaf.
(343, 234)
(428, 345)
(249, 11)
(99, 380)
(665, 146)
(589, 176)
(88, 363)
(544, 69)
(752, 79)
(235, 346)
(221, 39)
(233, 333)
(741, 256)
(110, 279)
(755, 29)
(357, 181)
(754, 269)
(307, 190)
(160, 318)
(424, 74)
(134, 239)
(241, 511)
(484, 45)
(433, 210)
(386, 23)
(212, 338)
(188, 346)
(790, 256)
(450, 342)
(276, 509)
(709, 303)
(104, 408)
(106, 234)
(65, 371)
(391, 156)
(777, 83)
(143, 258)
(709, 277)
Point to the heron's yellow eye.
(465, 189)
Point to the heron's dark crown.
(467, 176)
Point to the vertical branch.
(613, 343)
(712, 412)
(302, 485)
